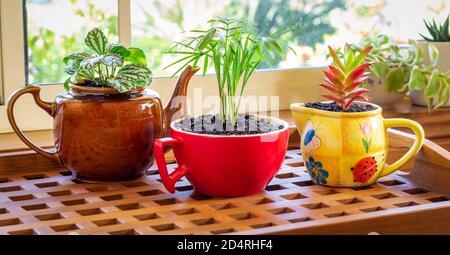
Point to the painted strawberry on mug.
(364, 169)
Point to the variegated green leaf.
(113, 60)
(73, 78)
(66, 84)
(137, 56)
(417, 80)
(120, 85)
(76, 56)
(418, 52)
(120, 49)
(71, 69)
(80, 76)
(86, 73)
(379, 69)
(395, 79)
(91, 62)
(137, 74)
(443, 94)
(97, 41)
(433, 54)
(434, 83)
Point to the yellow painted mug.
(349, 149)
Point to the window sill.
(11, 142)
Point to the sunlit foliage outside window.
(57, 27)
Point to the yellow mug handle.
(420, 137)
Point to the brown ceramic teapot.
(102, 135)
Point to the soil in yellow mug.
(349, 149)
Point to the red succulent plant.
(344, 78)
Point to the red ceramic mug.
(226, 166)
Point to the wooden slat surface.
(51, 202)
(37, 197)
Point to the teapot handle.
(48, 107)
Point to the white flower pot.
(444, 54)
(417, 97)
(379, 94)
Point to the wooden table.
(37, 197)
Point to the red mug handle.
(169, 180)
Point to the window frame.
(272, 82)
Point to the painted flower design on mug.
(366, 130)
(317, 173)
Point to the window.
(157, 24)
(55, 27)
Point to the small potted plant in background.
(226, 154)
(344, 141)
(385, 57)
(438, 38)
(400, 69)
(105, 124)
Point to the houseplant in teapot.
(106, 122)
(344, 141)
(226, 154)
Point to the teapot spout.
(177, 102)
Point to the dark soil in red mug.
(214, 125)
(333, 107)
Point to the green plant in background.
(107, 65)
(438, 32)
(391, 61)
(155, 39)
(275, 15)
(235, 48)
(403, 68)
(44, 58)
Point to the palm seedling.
(235, 48)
